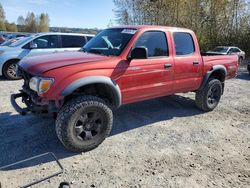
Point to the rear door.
(72, 42)
(151, 77)
(188, 62)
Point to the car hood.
(6, 48)
(39, 64)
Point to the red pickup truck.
(119, 66)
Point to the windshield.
(220, 49)
(21, 41)
(110, 41)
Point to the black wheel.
(9, 70)
(208, 98)
(83, 123)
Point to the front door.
(148, 78)
(43, 45)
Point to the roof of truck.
(58, 33)
(153, 27)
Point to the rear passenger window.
(184, 43)
(155, 42)
(72, 41)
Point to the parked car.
(119, 66)
(41, 43)
(11, 35)
(2, 39)
(231, 50)
(10, 41)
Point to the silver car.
(231, 50)
(36, 44)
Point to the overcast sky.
(73, 13)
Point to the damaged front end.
(33, 102)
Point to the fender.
(94, 80)
(208, 74)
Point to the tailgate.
(230, 62)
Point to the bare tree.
(215, 22)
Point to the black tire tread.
(200, 97)
(72, 106)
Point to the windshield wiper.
(94, 51)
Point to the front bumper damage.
(33, 103)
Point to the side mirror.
(33, 45)
(139, 53)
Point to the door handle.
(195, 62)
(167, 66)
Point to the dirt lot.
(165, 142)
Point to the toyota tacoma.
(121, 65)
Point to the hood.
(6, 48)
(39, 64)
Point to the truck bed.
(229, 61)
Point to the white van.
(36, 44)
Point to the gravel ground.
(165, 142)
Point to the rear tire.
(208, 98)
(9, 70)
(83, 123)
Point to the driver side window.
(155, 42)
(50, 41)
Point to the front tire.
(208, 98)
(83, 123)
(9, 70)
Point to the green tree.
(31, 23)
(11, 27)
(2, 19)
(44, 23)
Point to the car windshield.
(21, 41)
(110, 41)
(220, 49)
